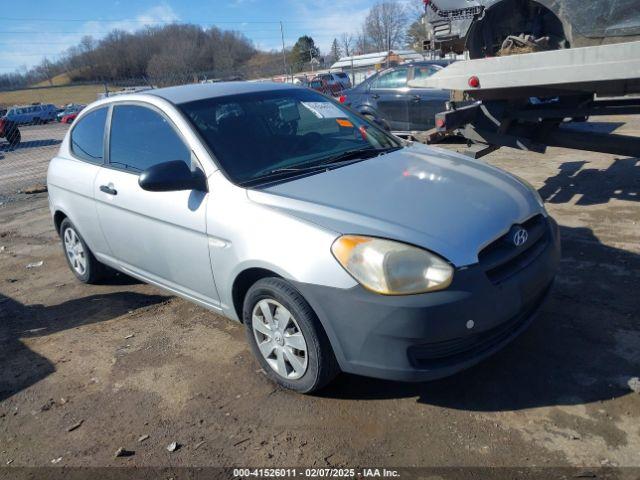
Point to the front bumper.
(432, 335)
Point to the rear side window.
(87, 137)
(393, 79)
(141, 138)
(425, 71)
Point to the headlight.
(391, 268)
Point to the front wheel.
(286, 336)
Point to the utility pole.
(353, 75)
(284, 54)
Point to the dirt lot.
(125, 360)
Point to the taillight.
(342, 98)
(474, 82)
(440, 123)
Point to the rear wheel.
(286, 336)
(79, 258)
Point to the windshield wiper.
(345, 157)
(359, 154)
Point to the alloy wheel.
(279, 339)
(75, 251)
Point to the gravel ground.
(86, 370)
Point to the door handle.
(375, 95)
(108, 190)
(416, 98)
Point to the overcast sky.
(33, 29)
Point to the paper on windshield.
(324, 109)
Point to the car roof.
(201, 91)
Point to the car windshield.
(256, 134)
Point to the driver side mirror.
(171, 177)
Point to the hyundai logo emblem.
(519, 237)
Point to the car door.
(21, 115)
(389, 96)
(425, 102)
(159, 236)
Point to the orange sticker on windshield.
(344, 123)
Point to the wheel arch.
(58, 218)
(365, 109)
(243, 282)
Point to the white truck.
(534, 100)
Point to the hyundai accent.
(337, 245)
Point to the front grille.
(501, 259)
(449, 352)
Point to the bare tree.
(385, 25)
(346, 42)
(419, 31)
(335, 52)
(362, 41)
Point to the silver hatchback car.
(340, 247)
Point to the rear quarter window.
(87, 137)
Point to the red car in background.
(332, 84)
(69, 118)
(9, 131)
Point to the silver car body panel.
(196, 244)
(424, 196)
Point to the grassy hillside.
(58, 80)
(55, 95)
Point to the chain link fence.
(40, 117)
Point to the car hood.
(439, 200)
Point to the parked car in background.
(330, 83)
(320, 85)
(386, 97)
(482, 26)
(68, 110)
(9, 131)
(69, 117)
(337, 245)
(35, 114)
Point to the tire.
(486, 35)
(319, 362)
(93, 270)
(13, 136)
